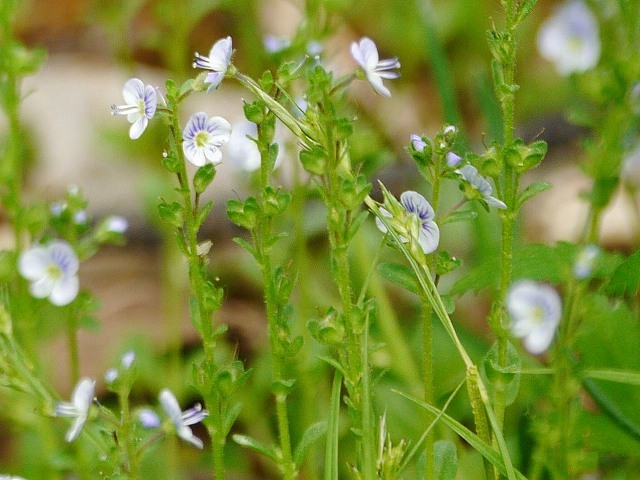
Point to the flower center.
(54, 271)
(538, 314)
(201, 140)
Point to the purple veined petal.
(64, 290)
(415, 203)
(133, 91)
(64, 257)
(150, 101)
(219, 130)
(193, 154)
(429, 237)
(33, 263)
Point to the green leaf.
(311, 435)
(400, 275)
(525, 10)
(256, 446)
(331, 465)
(204, 213)
(482, 447)
(532, 190)
(229, 418)
(203, 177)
(619, 376)
(446, 460)
(502, 377)
(626, 278)
(464, 216)
(356, 223)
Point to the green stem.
(203, 312)
(429, 395)
(72, 337)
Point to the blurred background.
(94, 46)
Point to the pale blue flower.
(453, 160)
(417, 142)
(203, 137)
(570, 38)
(418, 207)
(52, 271)
(148, 418)
(78, 408)
(274, 44)
(241, 151)
(365, 53)
(116, 224)
(535, 311)
(140, 107)
(182, 420)
(470, 174)
(217, 62)
(585, 260)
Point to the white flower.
(203, 137)
(570, 38)
(217, 62)
(52, 271)
(584, 262)
(470, 174)
(365, 53)
(535, 311)
(141, 102)
(78, 408)
(181, 420)
(10, 477)
(274, 44)
(417, 206)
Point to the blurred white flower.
(365, 53)
(470, 174)
(417, 206)
(203, 137)
(10, 477)
(535, 311)
(141, 102)
(274, 44)
(78, 408)
(584, 261)
(241, 151)
(117, 224)
(182, 420)
(217, 62)
(52, 271)
(570, 38)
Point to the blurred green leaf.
(446, 460)
(309, 437)
(626, 277)
(399, 274)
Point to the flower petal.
(65, 290)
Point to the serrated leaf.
(256, 446)
(400, 275)
(446, 460)
(246, 245)
(626, 277)
(309, 437)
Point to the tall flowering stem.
(206, 296)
